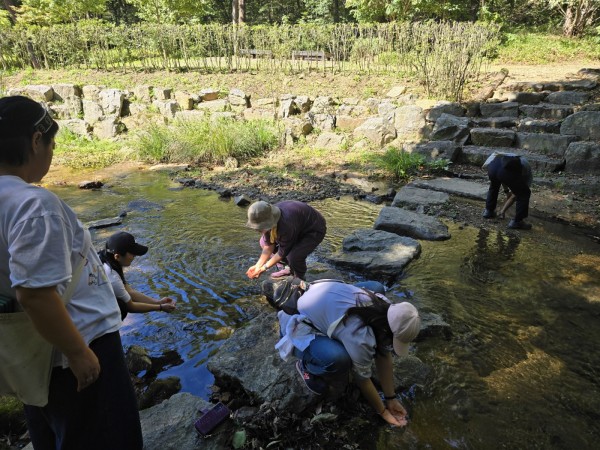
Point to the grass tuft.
(207, 141)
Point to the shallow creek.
(519, 371)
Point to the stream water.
(520, 371)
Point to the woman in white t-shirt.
(120, 251)
(91, 402)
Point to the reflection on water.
(521, 368)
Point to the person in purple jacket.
(291, 230)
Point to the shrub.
(209, 140)
(402, 165)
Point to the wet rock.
(104, 223)
(159, 391)
(408, 223)
(376, 253)
(242, 200)
(90, 185)
(169, 425)
(137, 359)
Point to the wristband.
(391, 397)
(265, 267)
(160, 306)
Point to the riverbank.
(563, 198)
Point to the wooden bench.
(254, 53)
(311, 55)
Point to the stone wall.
(555, 125)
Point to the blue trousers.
(102, 416)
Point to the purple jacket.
(298, 220)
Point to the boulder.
(377, 129)
(248, 360)
(583, 157)
(409, 121)
(377, 253)
(451, 128)
(585, 124)
(408, 223)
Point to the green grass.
(79, 152)
(206, 141)
(532, 47)
(403, 165)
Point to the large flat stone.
(410, 195)
(376, 252)
(408, 223)
(455, 186)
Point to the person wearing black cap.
(50, 269)
(120, 251)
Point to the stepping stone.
(410, 195)
(376, 252)
(408, 223)
(457, 186)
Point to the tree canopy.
(575, 17)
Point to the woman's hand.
(253, 272)
(396, 408)
(86, 368)
(393, 419)
(167, 304)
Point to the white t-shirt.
(117, 284)
(41, 241)
(326, 302)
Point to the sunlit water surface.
(521, 369)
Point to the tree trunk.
(577, 16)
(242, 11)
(235, 11)
(9, 5)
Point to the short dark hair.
(20, 117)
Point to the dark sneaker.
(313, 383)
(520, 225)
(487, 214)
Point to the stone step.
(548, 144)
(553, 86)
(529, 125)
(492, 137)
(476, 155)
(569, 98)
(546, 111)
(495, 122)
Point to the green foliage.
(49, 12)
(79, 152)
(403, 165)
(171, 11)
(534, 47)
(209, 140)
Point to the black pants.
(103, 416)
(514, 181)
(296, 258)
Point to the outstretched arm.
(257, 269)
(141, 303)
(367, 388)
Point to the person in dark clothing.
(515, 173)
(295, 228)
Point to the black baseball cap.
(123, 242)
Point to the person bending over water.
(120, 251)
(290, 229)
